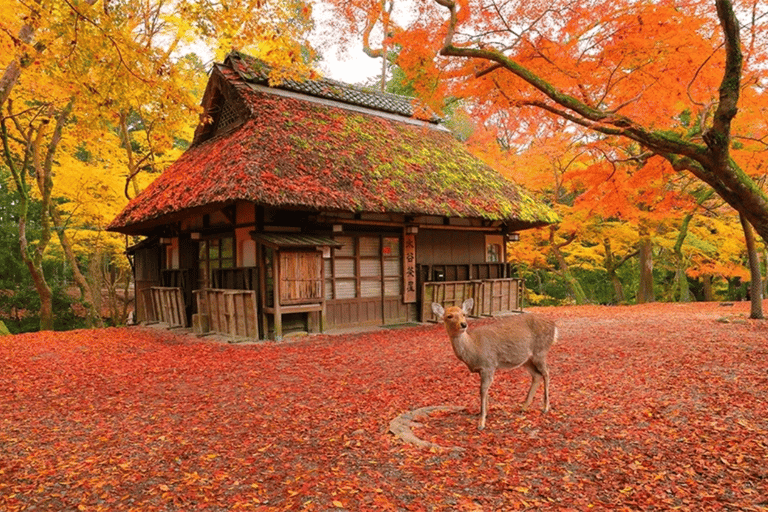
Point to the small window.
(494, 249)
(214, 254)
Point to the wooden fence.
(166, 305)
(492, 296)
(230, 312)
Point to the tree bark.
(38, 160)
(94, 316)
(645, 292)
(765, 281)
(680, 275)
(32, 256)
(755, 285)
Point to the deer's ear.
(438, 310)
(468, 305)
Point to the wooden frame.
(167, 305)
(291, 293)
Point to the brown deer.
(520, 340)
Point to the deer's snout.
(463, 325)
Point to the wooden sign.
(409, 268)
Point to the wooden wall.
(435, 246)
(146, 263)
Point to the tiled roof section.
(254, 71)
(303, 154)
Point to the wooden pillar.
(278, 320)
(322, 294)
(262, 288)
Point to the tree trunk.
(709, 294)
(38, 160)
(680, 276)
(94, 316)
(645, 292)
(681, 279)
(34, 262)
(612, 266)
(682, 284)
(32, 257)
(574, 287)
(755, 285)
(765, 281)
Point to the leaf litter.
(655, 407)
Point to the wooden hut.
(315, 205)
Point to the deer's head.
(454, 318)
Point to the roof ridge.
(252, 69)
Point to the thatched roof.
(297, 151)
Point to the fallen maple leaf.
(653, 407)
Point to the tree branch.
(718, 137)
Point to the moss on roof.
(296, 153)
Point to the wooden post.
(278, 316)
(262, 288)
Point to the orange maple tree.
(666, 76)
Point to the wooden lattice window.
(364, 267)
(229, 115)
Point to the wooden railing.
(240, 278)
(492, 296)
(461, 271)
(229, 312)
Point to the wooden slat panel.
(147, 312)
(169, 307)
(221, 307)
(230, 312)
(492, 296)
(353, 312)
(300, 277)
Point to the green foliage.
(19, 302)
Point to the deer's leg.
(486, 378)
(536, 378)
(545, 372)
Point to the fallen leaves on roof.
(295, 153)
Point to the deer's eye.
(448, 316)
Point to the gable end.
(224, 110)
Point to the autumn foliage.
(655, 407)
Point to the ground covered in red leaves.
(653, 408)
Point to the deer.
(511, 342)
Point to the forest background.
(643, 124)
